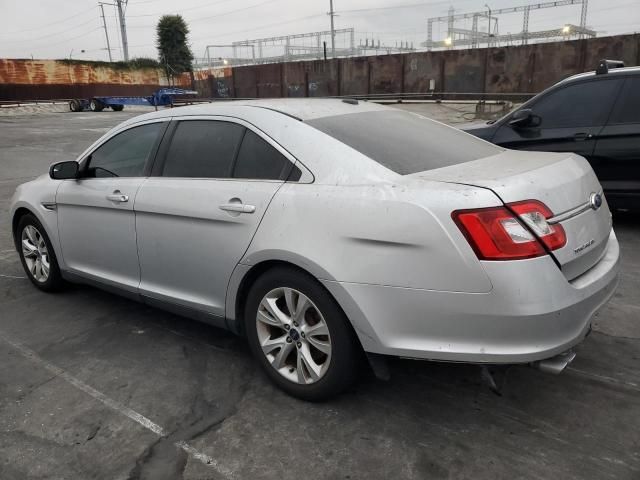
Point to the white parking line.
(11, 276)
(114, 405)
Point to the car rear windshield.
(403, 141)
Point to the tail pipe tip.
(555, 365)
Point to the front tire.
(300, 335)
(37, 256)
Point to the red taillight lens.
(535, 214)
(513, 232)
(497, 234)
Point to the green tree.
(175, 54)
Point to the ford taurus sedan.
(321, 229)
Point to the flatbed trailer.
(160, 98)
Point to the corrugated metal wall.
(517, 69)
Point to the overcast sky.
(53, 29)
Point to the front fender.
(32, 196)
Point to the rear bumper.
(532, 313)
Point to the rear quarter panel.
(396, 234)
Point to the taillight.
(535, 215)
(513, 232)
(495, 233)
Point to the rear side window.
(126, 154)
(404, 142)
(202, 149)
(627, 109)
(579, 105)
(259, 160)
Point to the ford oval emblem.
(595, 201)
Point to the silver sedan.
(322, 229)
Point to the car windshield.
(404, 142)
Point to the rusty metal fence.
(515, 72)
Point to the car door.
(616, 158)
(96, 222)
(570, 118)
(196, 218)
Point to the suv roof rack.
(604, 65)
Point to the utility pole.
(583, 18)
(489, 27)
(123, 29)
(333, 32)
(106, 33)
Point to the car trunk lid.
(565, 183)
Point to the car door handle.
(582, 136)
(118, 197)
(237, 208)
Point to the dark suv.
(595, 114)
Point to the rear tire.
(37, 255)
(311, 353)
(117, 108)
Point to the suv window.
(627, 109)
(202, 149)
(126, 154)
(257, 159)
(579, 105)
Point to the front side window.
(126, 154)
(203, 149)
(259, 160)
(580, 105)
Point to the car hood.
(472, 125)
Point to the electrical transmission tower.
(473, 37)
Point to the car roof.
(303, 109)
(612, 71)
(331, 161)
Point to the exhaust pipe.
(556, 364)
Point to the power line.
(72, 38)
(217, 15)
(203, 5)
(235, 32)
(48, 24)
(83, 24)
(223, 14)
(394, 7)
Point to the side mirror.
(524, 118)
(64, 170)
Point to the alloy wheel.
(35, 253)
(293, 335)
